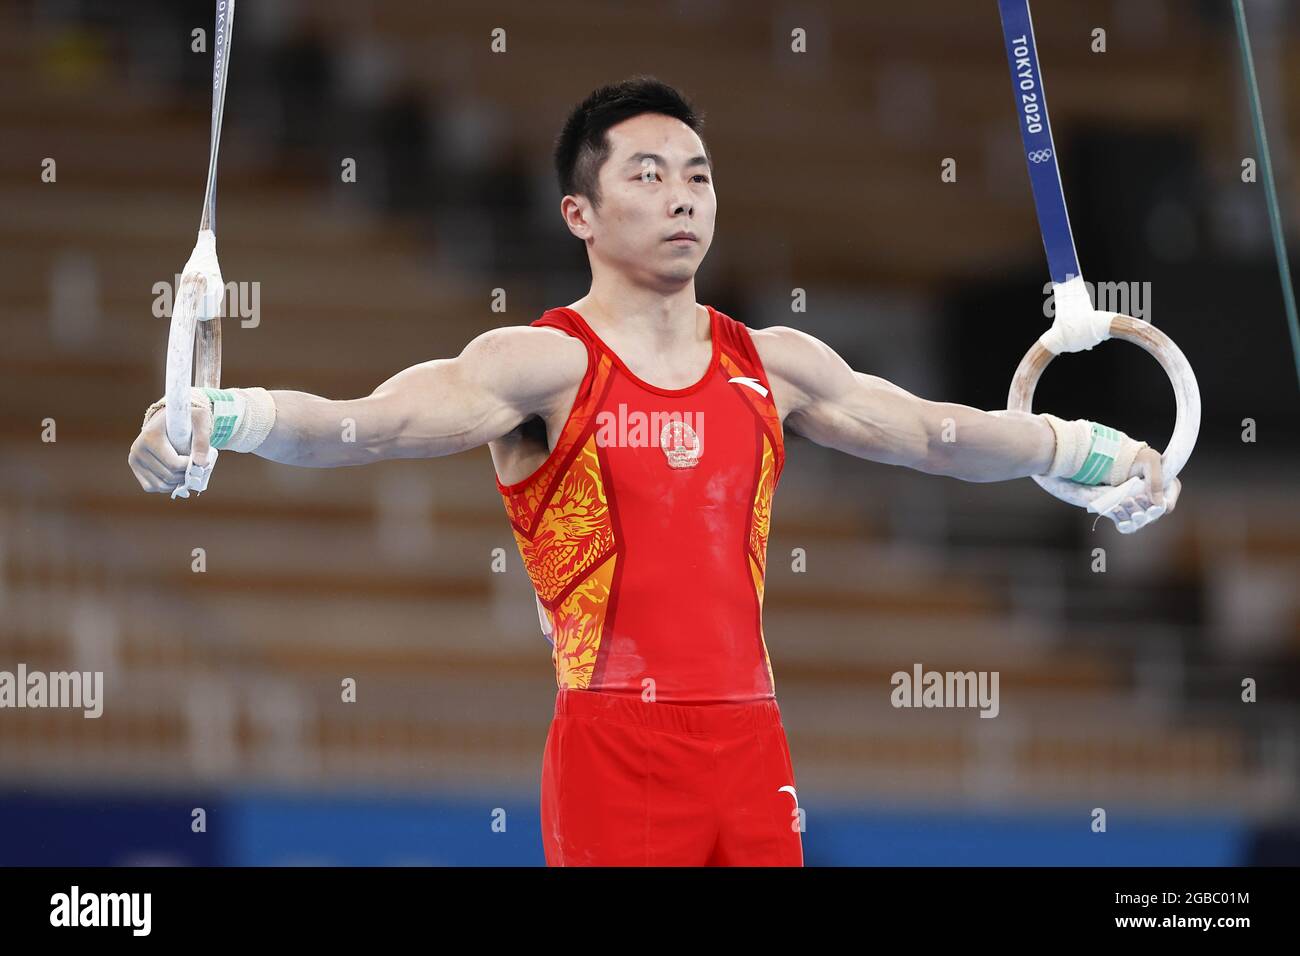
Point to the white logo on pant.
(792, 793)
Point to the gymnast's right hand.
(155, 464)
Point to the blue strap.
(1036, 133)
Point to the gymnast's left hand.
(1152, 501)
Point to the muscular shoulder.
(799, 366)
(530, 367)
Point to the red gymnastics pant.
(631, 783)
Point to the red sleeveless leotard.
(645, 530)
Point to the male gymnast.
(644, 531)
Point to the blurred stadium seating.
(1119, 689)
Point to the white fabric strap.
(1072, 440)
(256, 422)
(247, 416)
(1077, 326)
(203, 261)
(1075, 442)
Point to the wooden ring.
(1186, 393)
(187, 326)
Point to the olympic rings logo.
(1040, 155)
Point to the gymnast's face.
(655, 183)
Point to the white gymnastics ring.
(196, 320)
(1187, 394)
(191, 321)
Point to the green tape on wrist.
(1101, 456)
(225, 415)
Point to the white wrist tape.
(241, 417)
(258, 420)
(1090, 453)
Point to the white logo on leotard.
(750, 382)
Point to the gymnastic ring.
(1187, 424)
(190, 332)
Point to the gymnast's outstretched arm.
(821, 398)
(435, 408)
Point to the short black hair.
(582, 146)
